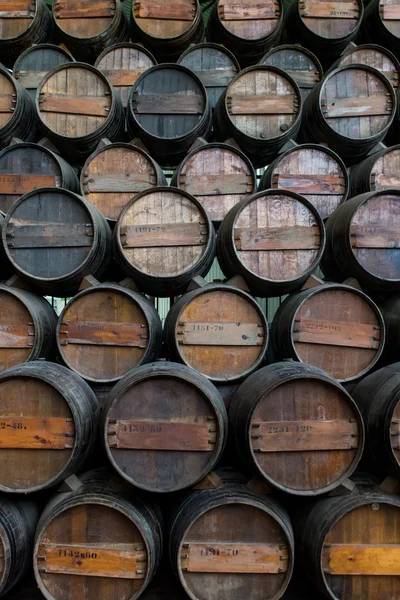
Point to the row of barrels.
(227, 542)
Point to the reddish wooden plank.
(16, 336)
(328, 10)
(164, 234)
(358, 106)
(262, 104)
(215, 185)
(187, 103)
(241, 11)
(278, 238)
(163, 435)
(92, 561)
(91, 106)
(16, 14)
(301, 436)
(390, 12)
(104, 333)
(19, 184)
(36, 433)
(350, 335)
(82, 10)
(364, 236)
(175, 11)
(310, 184)
(214, 557)
(119, 182)
(361, 559)
(122, 77)
(381, 180)
(21, 234)
(5, 103)
(220, 334)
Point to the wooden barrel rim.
(357, 21)
(214, 46)
(6, 547)
(273, 192)
(377, 74)
(279, 22)
(83, 66)
(34, 48)
(284, 75)
(16, 93)
(168, 39)
(122, 45)
(115, 17)
(300, 49)
(30, 26)
(86, 205)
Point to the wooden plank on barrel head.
(305, 79)
(361, 559)
(81, 10)
(104, 333)
(119, 182)
(240, 11)
(218, 77)
(278, 238)
(328, 10)
(262, 104)
(214, 557)
(301, 436)
(390, 12)
(334, 333)
(34, 433)
(309, 183)
(18, 184)
(395, 434)
(164, 234)
(375, 236)
(122, 77)
(220, 334)
(213, 185)
(188, 103)
(163, 435)
(380, 180)
(176, 11)
(17, 9)
(5, 103)
(30, 79)
(17, 336)
(358, 106)
(21, 234)
(93, 560)
(91, 106)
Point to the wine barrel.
(374, 56)
(33, 64)
(105, 331)
(273, 239)
(233, 536)
(334, 327)
(54, 238)
(25, 166)
(261, 110)
(378, 398)
(390, 308)
(381, 25)
(351, 110)
(362, 241)
(215, 66)
(77, 107)
(48, 422)
(18, 521)
(315, 172)
(153, 444)
(167, 28)
(247, 28)
(17, 116)
(219, 330)
(300, 63)
(322, 27)
(218, 175)
(348, 546)
(122, 64)
(27, 327)
(297, 428)
(114, 173)
(163, 238)
(377, 172)
(6, 270)
(168, 109)
(116, 536)
(22, 25)
(86, 28)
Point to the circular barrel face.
(219, 177)
(385, 172)
(104, 332)
(357, 102)
(16, 18)
(221, 333)
(262, 102)
(315, 173)
(168, 101)
(164, 20)
(122, 64)
(389, 13)
(241, 546)
(23, 168)
(36, 62)
(277, 236)
(339, 331)
(163, 233)
(37, 434)
(8, 98)
(299, 63)
(305, 435)
(377, 57)
(74, 100)
(49, 234)
(250, 19)
(113, 175)
(360, 554)
(83, 20)
(330, 21)
(374, 235)
(91, 550)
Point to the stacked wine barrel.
(200, 299)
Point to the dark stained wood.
(381, 25)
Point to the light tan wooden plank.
(234, 558)
(278, 238)
(358, 106)
(328, 10)
(262, 104)
(93, 106)
(220, 334)
(361, 559)
(351, 335)
(17, 185)
(33, 433)
(165, 234)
